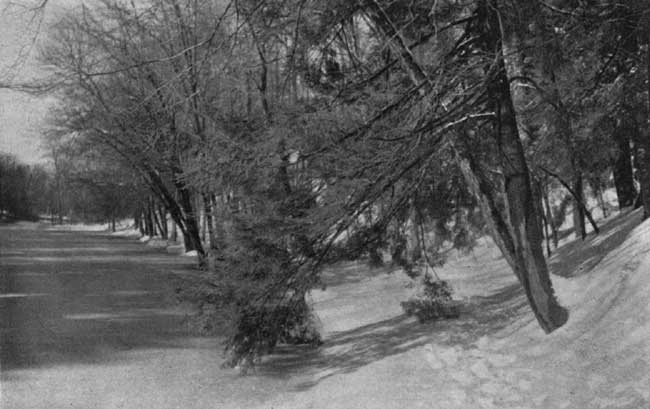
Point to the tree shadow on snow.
(580, 257)
(347, 351)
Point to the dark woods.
(281, 136)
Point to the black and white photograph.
(324, 204)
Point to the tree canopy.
(303, 132)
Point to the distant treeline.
(64, 193)
(24, 189)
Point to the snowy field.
(493, 356)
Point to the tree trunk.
(643, 143)
(526, 253)
(578, 200)
(516, 230)
(528, 264)
(191, 233)
(209, 220)
(578, 206)
(539, 194)
(622, 169)
(154, 216)
(642, 156)
(148, 226)
(550, 217)
(162, 215)
(539, 205)
(137, 221)
(204, 220)
(597, 186)
(174, 235)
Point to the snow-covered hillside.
(495, 355)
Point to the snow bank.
(599, 359)
(127, 232)
(495, 356)
(192, 253)
(157, 242)
(78, 227)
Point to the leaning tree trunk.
(526, 255)
(516, 230)
(156, 219)
(162, 214)
(520, 246)
(191, 234)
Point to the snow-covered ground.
(493, 356)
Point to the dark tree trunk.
(578, 200)
(162, 214)
(200, 208)
(249, 96)
(137, 221)
(191, 233)
(517, 232)
(531, 268)
(540, 211)
(622, 169)
(578, 206)
(154, 216)
(642, 156)
(148, 223)
(209, 220)
(539, 205)
(174, 234)
(643, 142)
(550, 218)
(523, 239)
(597, 186)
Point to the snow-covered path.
(90, 321)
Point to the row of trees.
(90, 184)
(307, 131)
(78, 187)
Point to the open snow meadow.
(90, 320)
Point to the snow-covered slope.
(495, 356)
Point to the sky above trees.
(22, 115)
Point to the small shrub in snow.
(433, 303)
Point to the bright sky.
(22, 116)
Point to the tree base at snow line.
(259, 330)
